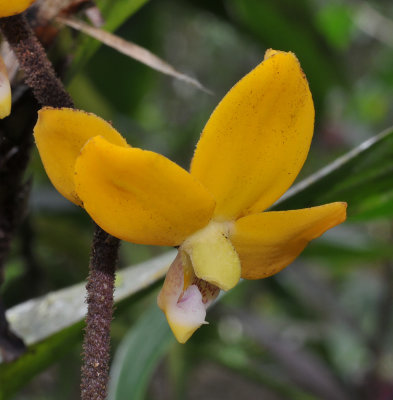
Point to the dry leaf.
(131, 50)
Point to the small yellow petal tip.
(181, 332)
(269, 53)
(342, 207)
(13, 7)
(5, 91)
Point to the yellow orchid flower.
(250, 152)
(13, 7)
(5, 91)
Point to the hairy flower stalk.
(96, 345)
(39, 73)
(49, 91)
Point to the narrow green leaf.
(38, 357)
(288, 25)
(138, 355)
(338, 252)
(38, 319)
(309, 372)
(362, 177)
(240, 358)
(117, 12)
(51, 324)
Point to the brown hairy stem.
(100, 288)
(49, 91)
(39, 73)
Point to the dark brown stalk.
(49, 91)
(39, 73)
(100, 286)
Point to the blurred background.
(320, 329)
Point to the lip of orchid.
(188, 286)
(184, 298)
(207, 291)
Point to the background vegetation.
(322, 328)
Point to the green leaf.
(38, 357)
(289, 26)
(51, 324)
(336, 22)
(115, 13)
(340, 253)
(138, 354)
(362, 177)
(311, 373)
(245, 360)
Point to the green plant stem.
(49, 91)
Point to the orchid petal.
(13, 7)
(140, 196)
(60, 135)
(257, 139)
(268, 242)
